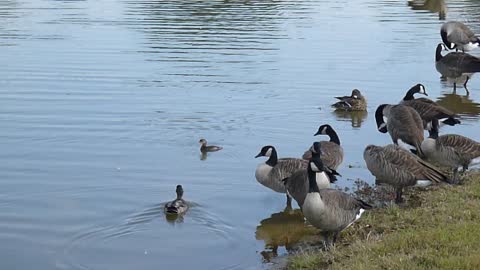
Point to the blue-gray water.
(102, 104)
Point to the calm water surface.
(102, 104)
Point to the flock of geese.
(404, 163)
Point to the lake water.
(102, 104)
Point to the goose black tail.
(364, 205)
(451, 121)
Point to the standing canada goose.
(332, 151)
(456, 65)
(330, 210)
(208, 148)
(428, 109)
(397, 167)
(404, 125)
(355, 102)
(272, 172)
(458, 36)
(451, 150)
(297, 183)
(177, 206)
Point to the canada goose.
(332, 151)
(274, 170)
(177, 206)
(451, 150)
(458, 36)
(427, 108)
(430, 5)
(397, 167)
(355, 102)
(330, 210)
(404, 125)
(455, 65)
(208, 148)
(297, 183)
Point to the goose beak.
(318, 133)
(383, 128)
(259, 155)
(425, 94)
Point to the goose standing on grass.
(355, 102)
(272, 172)
(404, 125)
(297, 183)
(458, 36)
(451, 150)
(397, 167)
(332, 151)
(428, 109)
(330, 210)
(208, 148)
(177, 206)
(456, 65)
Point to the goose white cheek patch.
(269, 152)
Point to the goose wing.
(396, 166)
(297, 186)
(464, 148)
(406, 124)
(286, 167)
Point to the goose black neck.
(272, 161)
(312, 180)
(179, 194)
(333, 136)
(438, 54)
(410, 93)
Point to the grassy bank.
(441, 231)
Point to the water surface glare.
(102, 104)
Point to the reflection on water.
(435, 6)
(461, 105)
(282, 229)
(355, 117)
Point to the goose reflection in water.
(282, 229)
(356, 117)
(434, 6)
(461, 105)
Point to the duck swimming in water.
(177, 206)
(208, 148)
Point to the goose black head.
(316, 164)
(448, 44)
(418, 88)
(356, 94)
(179, 191)
(323, 130)
(266, 151)
(379, 117)
(316, 149)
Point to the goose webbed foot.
(326, 243)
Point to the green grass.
(442, 231)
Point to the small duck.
(354, 102)
(178, 206)
(208, 148)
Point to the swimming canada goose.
(355, 102)
(399, 168)
(332, 151)
(456, 65)
(297, 183)
(177, 206)
(458, 36)
(208, 148)
(428, 109)
(274, 170)
(404, 125)
(451, 150)
(330, 210)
